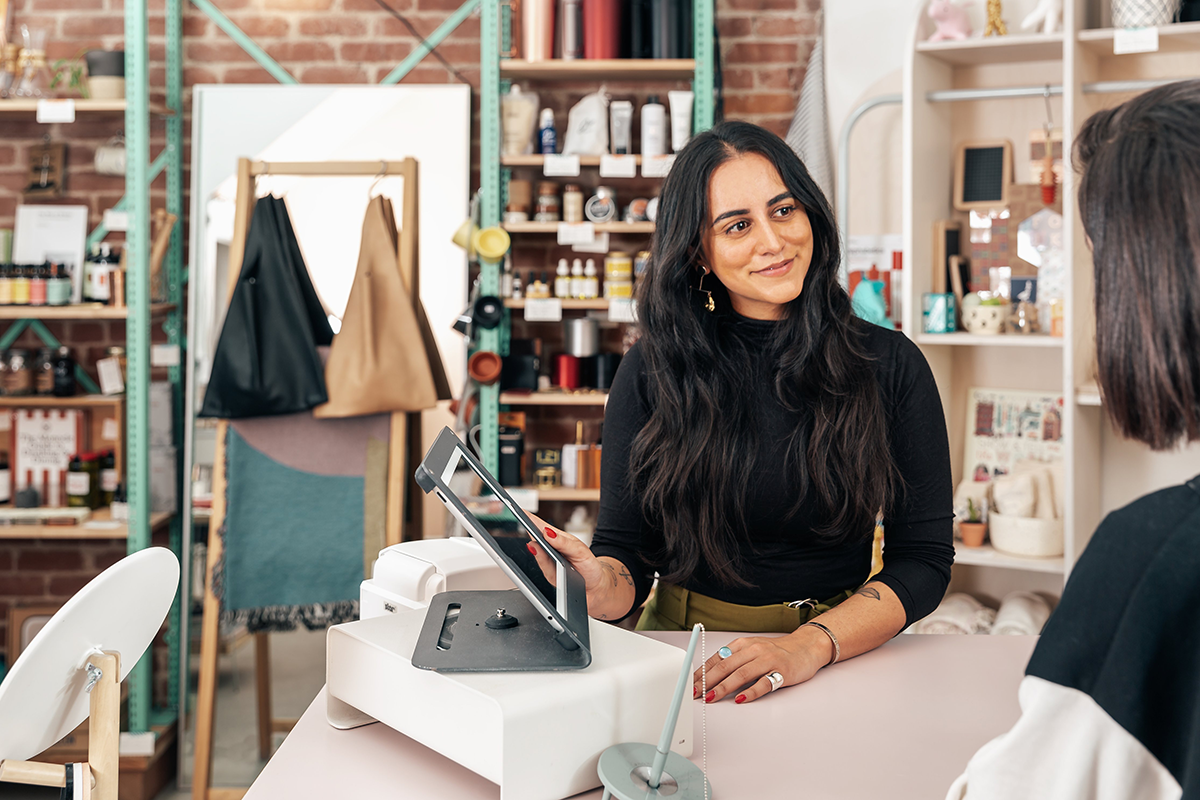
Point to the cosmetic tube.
(681, 118)
(601, 29)
(570, 14)
(537, 18)
(622, 124)
(654, 128)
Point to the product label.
(657, 167)
(108, 480)
(598, 245)
(79, 484)
(116, 220)
(49, 111)
(1135, 40)
(543, 310)
(618, 167)
(576, 233)
(560, 166)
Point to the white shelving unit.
(1079, 61)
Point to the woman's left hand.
(797, 657)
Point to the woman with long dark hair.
(757, 430)
(1110, 702)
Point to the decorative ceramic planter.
(986, 320)
(972, 533)
(1143, 13)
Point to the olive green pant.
(673, 608)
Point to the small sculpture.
(952, 21)
(995, 25)
(1048, 14)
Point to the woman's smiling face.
(758, 243)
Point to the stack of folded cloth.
(1020, 614)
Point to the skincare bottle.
(591, 284)
(536, 289)
(506, 277)
(621, 114)
(570, 458)
(577, 285)
(654, 128)
(562, 283)
(544, 280)
(516, 287)
(547, 135)
(681, 118)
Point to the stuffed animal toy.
(1048, 14)
(952, 21)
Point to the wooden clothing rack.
(403, 449)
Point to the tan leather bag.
(383, 359)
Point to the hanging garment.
(383, 359)
(266, 361)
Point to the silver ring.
(776, 680)
(724, 653)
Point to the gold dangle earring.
(709, 305)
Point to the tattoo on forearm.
(625, 574)
(869, 591)
(612, 573)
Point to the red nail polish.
(708, 698)
(532, 549)
(550, 534)
(741, 698)
(695, 692)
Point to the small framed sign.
(982, 174)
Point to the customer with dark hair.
(756, 431)
(1111, 698)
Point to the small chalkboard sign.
(982, 175)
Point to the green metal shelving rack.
(495, 38)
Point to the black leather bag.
(266, 361)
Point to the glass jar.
(618, 274)
(34, 76)
(6, 276)
(572, 203)
(20, 285)
(64, 373)
(8, 73)
(547, 203)
(602, 206)
(108, 477)
(43, 372)
(58, 286)
(18, 381)
(83, 481)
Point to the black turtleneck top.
(787, 560)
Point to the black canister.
(512, 447)
(604, 369)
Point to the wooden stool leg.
(262, 690)
(104, 727)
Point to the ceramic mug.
(987, 320)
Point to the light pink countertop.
(899, 722)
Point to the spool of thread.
(581, 336)
(537, 23)
(566, 371)
(604, 369)
(601, 28)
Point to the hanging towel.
(266, 361)
(382, 360)
(808, 134)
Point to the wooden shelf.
(601, 227)
(988, 556)
(987, 340)
(647, 69)
(81, 311)
(1088, 394)
(566, 494)
(567, 304)
(553, 398)
(78, 401)
(996, 49)
(539, 161)
(108, 530)
(29, 107)
(1180, 37)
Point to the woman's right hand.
(608, 584)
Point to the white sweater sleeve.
(1064, 747)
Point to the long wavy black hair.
(688, 462)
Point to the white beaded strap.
(837, 650)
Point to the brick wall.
(764, 47)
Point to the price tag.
(622, 309)
(111, 380)
(543, 310)
(1135, 40)
(55, 111)
(109, 431)
(600, 245)
(116, 220)
(657, 167)
(618, 167)
(525, 498)
(164, 355)
(576, 233)
(559, 166)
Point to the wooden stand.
(103, 742)
(404, 448)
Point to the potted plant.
(974, 528)
(106, 74)
(69, 77)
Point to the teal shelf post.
(703, 101)
(489, 181)
(137, 238)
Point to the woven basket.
(1143, 13)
